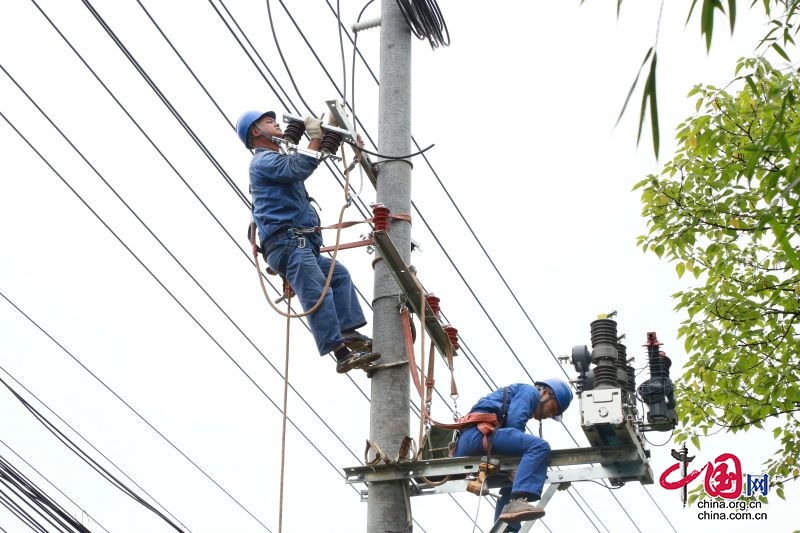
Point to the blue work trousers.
(301, 263)
(532, 469)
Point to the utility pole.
(388, 507)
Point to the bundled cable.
(22, 489)
(425, 20)
(88, 459)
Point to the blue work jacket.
(277, 186)
(521, 403)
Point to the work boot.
(517, 511)
(353, 360)
(356, 342)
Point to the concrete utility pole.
(388, 508)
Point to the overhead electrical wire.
(37, 499)
(250, 57)
(22, 515)
(283, 59)
(77, 450)
(165, 101)
(52, 484)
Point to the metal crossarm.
(622, 463)
(415, 295)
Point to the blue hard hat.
(247, 119)
(561, 391)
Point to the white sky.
(521, 109)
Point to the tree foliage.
(782, 16)
(726, 210)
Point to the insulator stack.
(433, 301)
(331, 140)
(659, 364)
(631, 378)
(629, 381)
(658, 392)
(604, 353)
(604, 331)
(380, 217)
(294, 131)
(622, 361)
(452, 334)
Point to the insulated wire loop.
(392, 157)
(425, 21)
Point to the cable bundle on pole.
(425, 20)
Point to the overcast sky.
(130, 309)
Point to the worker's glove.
(313, 127)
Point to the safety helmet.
(247, 119)
(561, 391)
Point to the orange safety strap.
(430, 382)
(406, 217)
(486, 422)
(365, 242)
(412, 363)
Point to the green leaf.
(651, 89)
(707, 21)
(732, 13)
(781, 52)
(633, 86)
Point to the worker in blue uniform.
(514, 405)
(290, 238)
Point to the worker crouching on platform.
(290, 239)
(514, 405)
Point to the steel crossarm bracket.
(627, 471)
(612, 459)
(425, 485)
(338, 112)
(415, 294)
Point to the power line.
(77, 450)
(50, 482)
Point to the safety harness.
(485, 422)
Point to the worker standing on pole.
(514, 405)
(290, 238)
